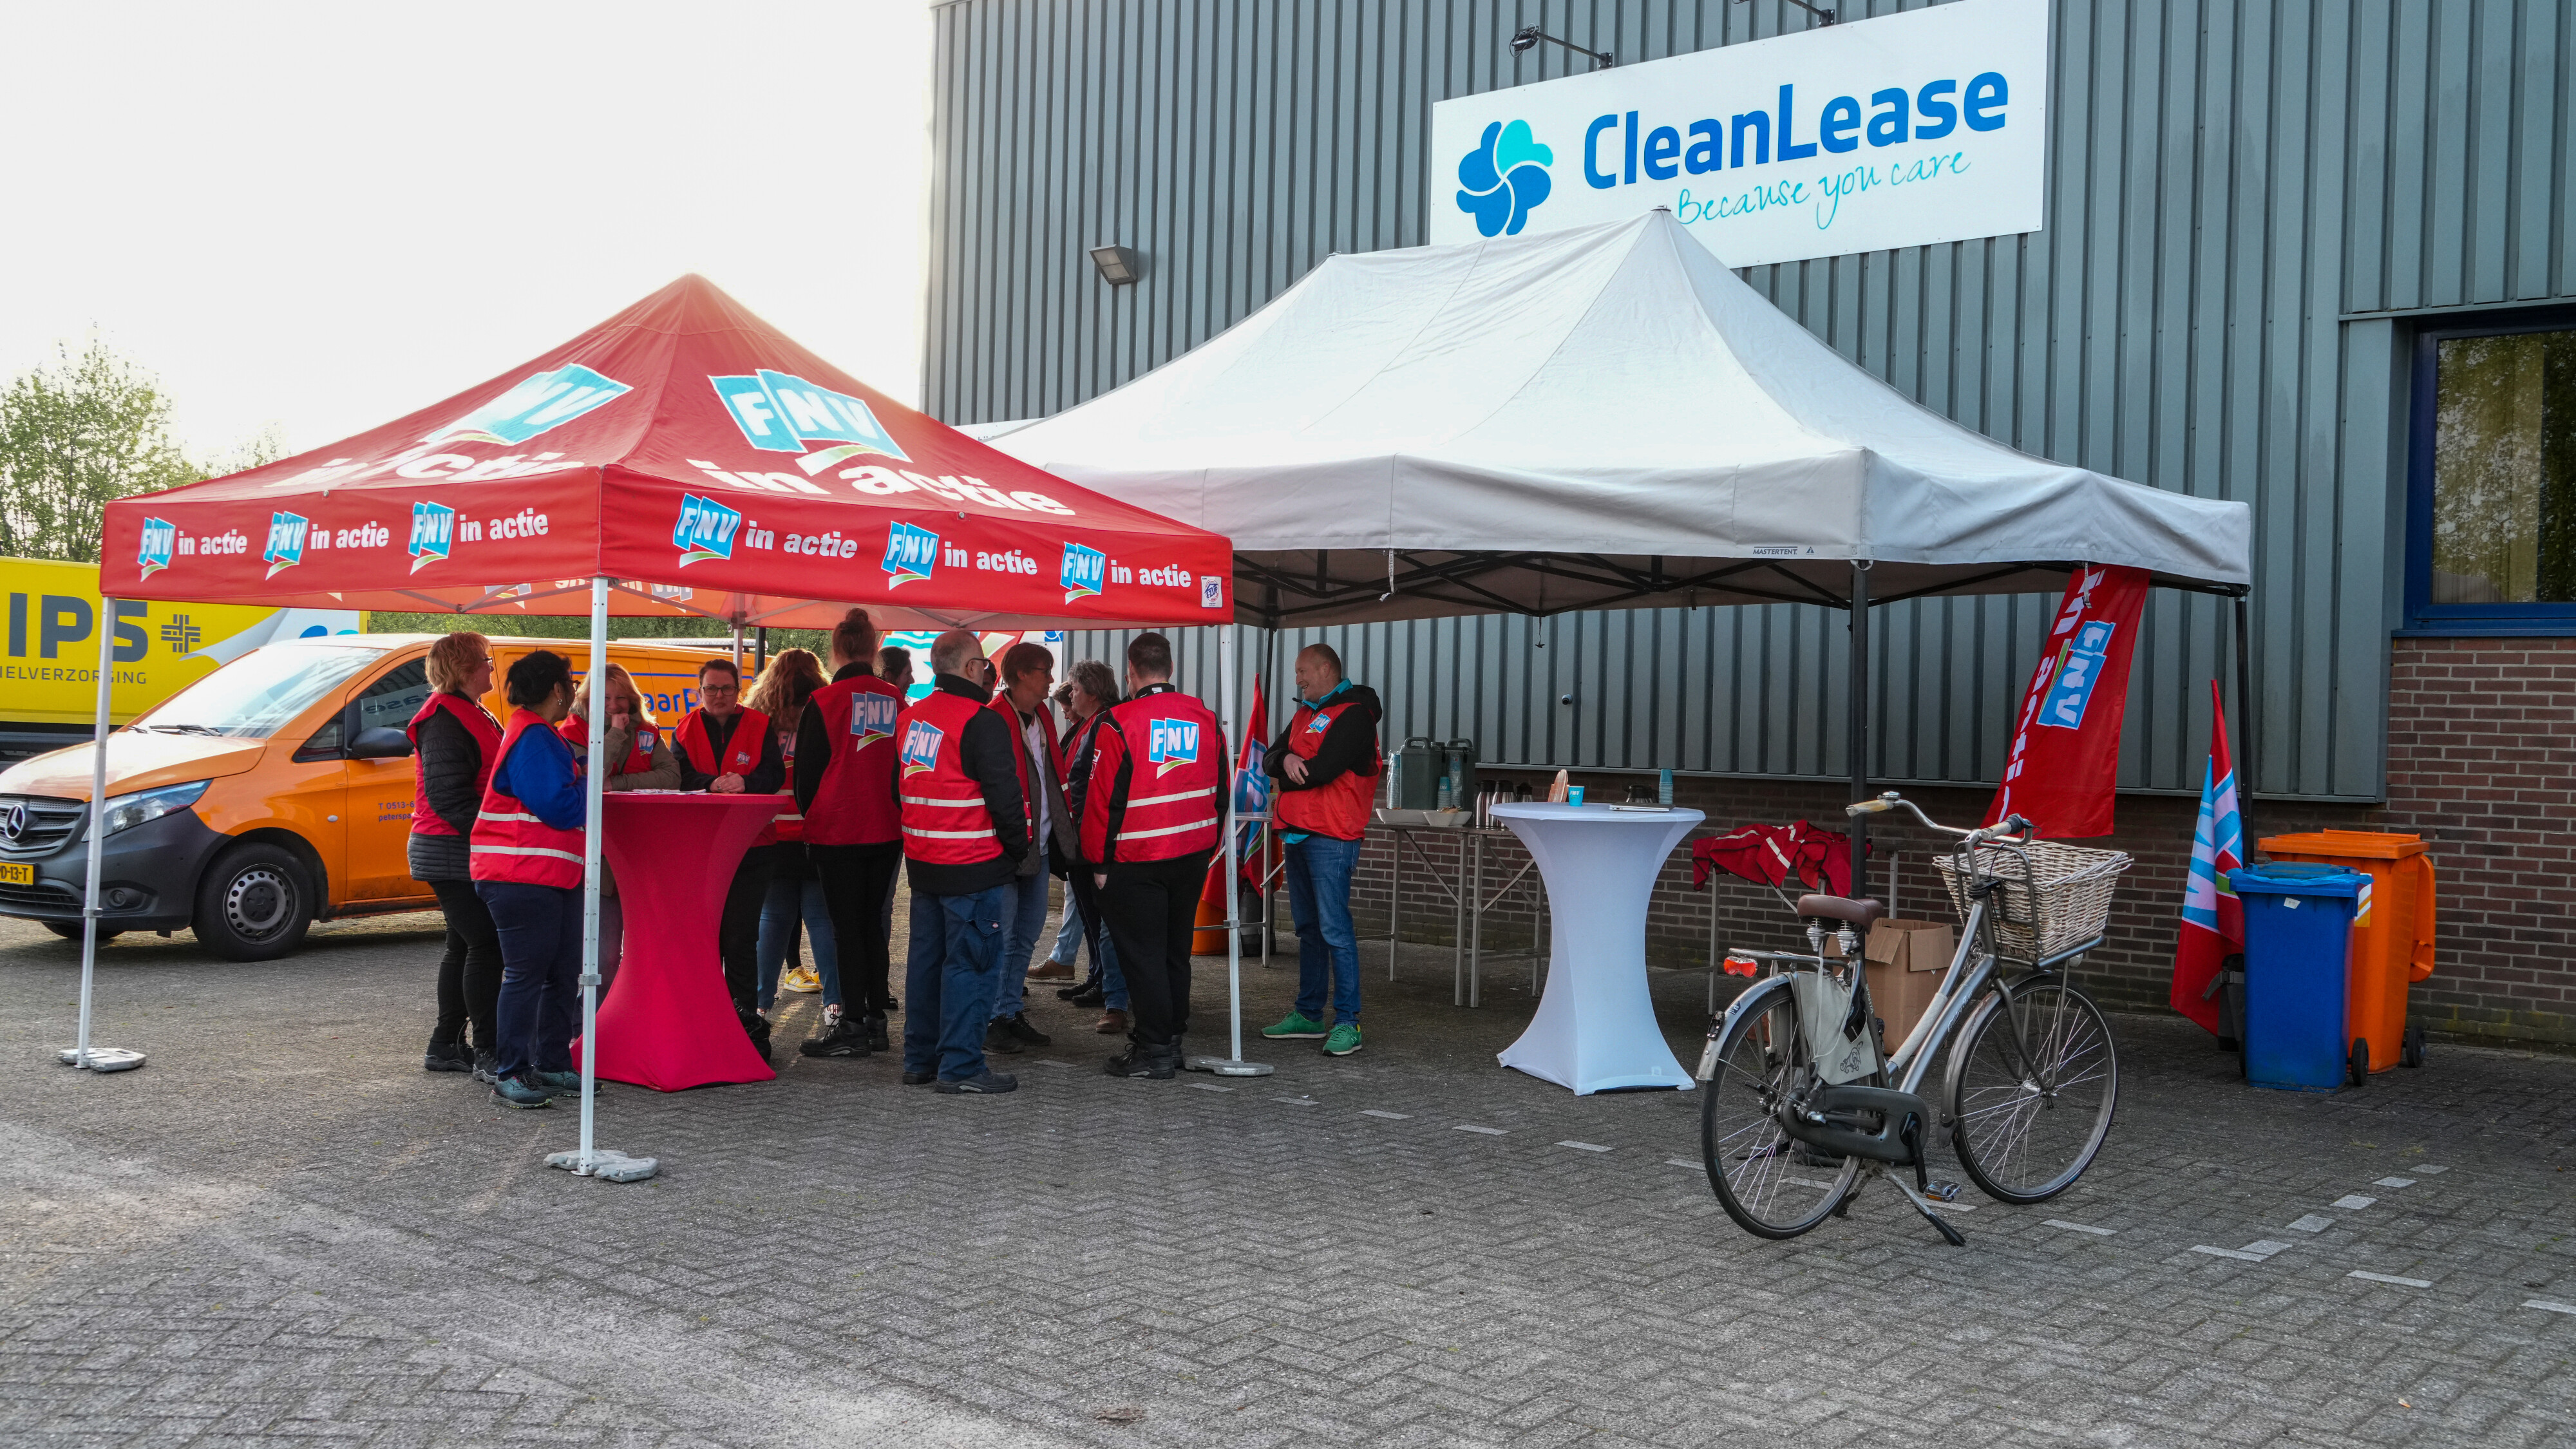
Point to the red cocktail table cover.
(668, 1022)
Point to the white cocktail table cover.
(1595, 1030)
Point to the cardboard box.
(1906, 959)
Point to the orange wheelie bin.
(2392, 937)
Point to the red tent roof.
(701, 458)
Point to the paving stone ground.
(282, 1231)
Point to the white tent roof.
(1600, 417)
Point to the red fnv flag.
(2213, 920)
(2066, 738)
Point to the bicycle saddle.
(1861, 915)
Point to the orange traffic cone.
(1209, 938)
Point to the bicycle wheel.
(1771, 1184)
(2030, 1107)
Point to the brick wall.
(2482, 762)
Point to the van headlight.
(124, 812)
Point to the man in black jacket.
(706, 738)
(958, 928)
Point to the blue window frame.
(2491, 495)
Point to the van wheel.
(71, 931)
(254, 903)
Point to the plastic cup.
(1573, 794)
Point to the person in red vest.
(1150, 818)
(845, 789)
(639, 758)
(1326, 764)
(966, 829)
(726, 749)
(527, 862)
(454, 742)
(1028, 673)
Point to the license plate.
(17, 875)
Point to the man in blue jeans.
(965, 832)
(1326, 765)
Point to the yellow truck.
(270, 793)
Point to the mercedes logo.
(13, 823)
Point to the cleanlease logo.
(1172, 743)
(781, 413)
(160, 538)
(705, 530)
(433, 533)
(539, 402)
(920, 746)
(872, 718)
(1084, 569)
(910, 554)
(285, 549)
(1504, 179)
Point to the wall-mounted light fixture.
(1823, 17)
(1530, 35)
(1118, 266)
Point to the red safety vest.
(479, 723)
(1029, 783)
(1342, 808)
(639, 756)
(789, 825)
(1157, 764)
(944, 819)
(511, 844)
(742, 752)
(855, 804)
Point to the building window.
(2494, 542)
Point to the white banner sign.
(1927, 126)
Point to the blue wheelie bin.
(2298, 931)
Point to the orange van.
(272, 793)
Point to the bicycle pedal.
(1941, 1191)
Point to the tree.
(80, 432)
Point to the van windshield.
(256, 695)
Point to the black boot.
(1153, 1063)
(756, 1027)
(447, 1054)
(875, 1025)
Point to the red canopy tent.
(681, 458)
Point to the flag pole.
(2245, 722)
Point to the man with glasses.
(728, 750)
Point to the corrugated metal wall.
(2248, 204)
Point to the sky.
(318, 217)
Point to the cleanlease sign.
(1921, 127)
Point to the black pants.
(738, 930)
(469, 975)
(1086, 902)
(858, 889)
(1152, 909)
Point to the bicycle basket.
(2053, 897)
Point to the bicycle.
(1800, 1098)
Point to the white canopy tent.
(1596, 418)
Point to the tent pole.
(737, 647)
(1233, 1064)
(97, 810)
(2245, 721)
(594, 788)
(1856, 740)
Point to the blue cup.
(1573, 794)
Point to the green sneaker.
(1296, 1027)
(1344, 1040)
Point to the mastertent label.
(1921, 127)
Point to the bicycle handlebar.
(2012, 829)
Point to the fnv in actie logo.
(779, 412)
(872, 718)
(285, 541)
(1504, 179)
(920, 746)
(1084, 568)
(1172, 743)
(160, 537)
(433, 533)
(705, 530)
(911, 553)
(539, 402)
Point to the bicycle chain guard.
(1890, 1142)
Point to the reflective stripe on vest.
(478, 723)
(938, 795)
(1173, 751)
(741, 757)
(1341, 809)
(511, 844)
(789, 825)
(854, 804)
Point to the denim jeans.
(789, 899)
(1328, 950)
(1069, 936)
(1024, 913)
(948, 981)
(540, 931)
